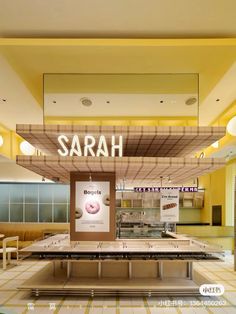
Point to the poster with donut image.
(92, 206)
(169, 206)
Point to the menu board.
(169, 207)
(92, 206)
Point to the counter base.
(46, 282)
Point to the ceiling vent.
(191, 101)
(86, 102)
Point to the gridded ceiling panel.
(148, 141)
(134, 170)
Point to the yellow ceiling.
(30, 58)
(121, 83)
(118, 19)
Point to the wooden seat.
(7, 250)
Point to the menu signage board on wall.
(169, 207)
(92, 206)
(158, 189)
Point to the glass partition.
(31, 212)
(34, 202)
(16, 212)
(4, 212)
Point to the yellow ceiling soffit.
(226, 140)
(222, 120)
(32, 57)
(232, 161)
(117, 42)
(122, 83)
(226, 115)
(3, 128)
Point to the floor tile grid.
(210, 269)
(219, 278)
(27, 267)
(149, 309)
(88, 307)
(11, 270)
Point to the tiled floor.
(14, 301)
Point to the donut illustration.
(106, 200)
(92, 207)
(78, 213)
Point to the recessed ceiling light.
(190, 101)
(86, 101)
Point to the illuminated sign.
(90, 146)
(158, 189)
